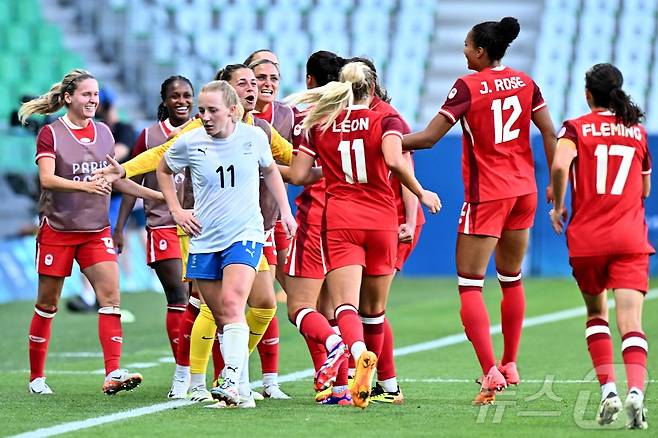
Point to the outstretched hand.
(112, 172)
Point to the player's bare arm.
(275, 185)
(184, 218)
(49, 180)
(542, 120)
(425, 139)
(564, 155)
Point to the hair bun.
(509, 29)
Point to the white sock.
(270, 379)
(389, 385)
(332, 341)
(357, 349)
(607, 388)
(235, 340)
(351, 372)
(337, 389)
(182, 372)
(637, 391)
(197, 380)
(244, 387)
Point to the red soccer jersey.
(607, 210)
(310, 202)
(495, 107)
(359, 195)
(386, 109)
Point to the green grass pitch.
(558, 395)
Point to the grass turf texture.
(437, 384)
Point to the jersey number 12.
(503, 133)
(345, 148)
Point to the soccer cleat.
(39, 386)
(379, 395)
(635, 411)
(179, 388)
(510, 373)
(257, 396)
(609, 409)
(246, 402)
(329, 369)
(365, 371)
(492, 382)
(121, 380)
(227, 392)
(274, 392)
(199, 393)
(321, 395)
(343, 398)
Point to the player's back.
(606, 178)
(356, 174)
(496, 111)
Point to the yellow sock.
(202, 338)
(258, 320)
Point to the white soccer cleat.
(246, 402)
(609, 409)
(227, 392)
(179, 388)
(200, 394)
(39, 386)
(257, 396)
(635, 411)
(274, 392)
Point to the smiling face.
(216, 116)
(472, 53)
(82, 103)
(179, 102)
(267, 76)
(245, 84)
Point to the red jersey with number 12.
(359, 195)
(607, 210)
(495, 107)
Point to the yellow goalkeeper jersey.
(148, 160)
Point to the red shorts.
(405, 249)
(269, 248)
(616, 271)
(162, 244)
(280, 237)
(305, 258)
(57, 249)
(374, 250)
(491, 218)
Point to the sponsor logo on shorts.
(48, 259)
(118, 339)
(37, 339)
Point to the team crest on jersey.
(247, 148)
(452, 93)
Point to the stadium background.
(132, 45)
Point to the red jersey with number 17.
(607, 210)
(359, 195)
(495, 108)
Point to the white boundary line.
(424, 346)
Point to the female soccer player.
(495, 106)
(163, 252)
(608, 156)
(226, 224)
(73, 212)
(357, 147)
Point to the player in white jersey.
(226, 225)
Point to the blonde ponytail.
(53, 100)
(329, 100)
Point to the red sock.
(39, 338)
(173, 319)
(475, 319)
(313, 325)
(512, 311)
(217, 359)
(318, 352)
(110, 336)
(386, 363)
(373, 332)
(349, 323)
(268, 348)
(599, 344)
(634, 349)
(185, 334)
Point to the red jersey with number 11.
(495, 107)
(607, 210)
(359, 195)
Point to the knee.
(108, 297)
(628, 323)
(176, 294)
